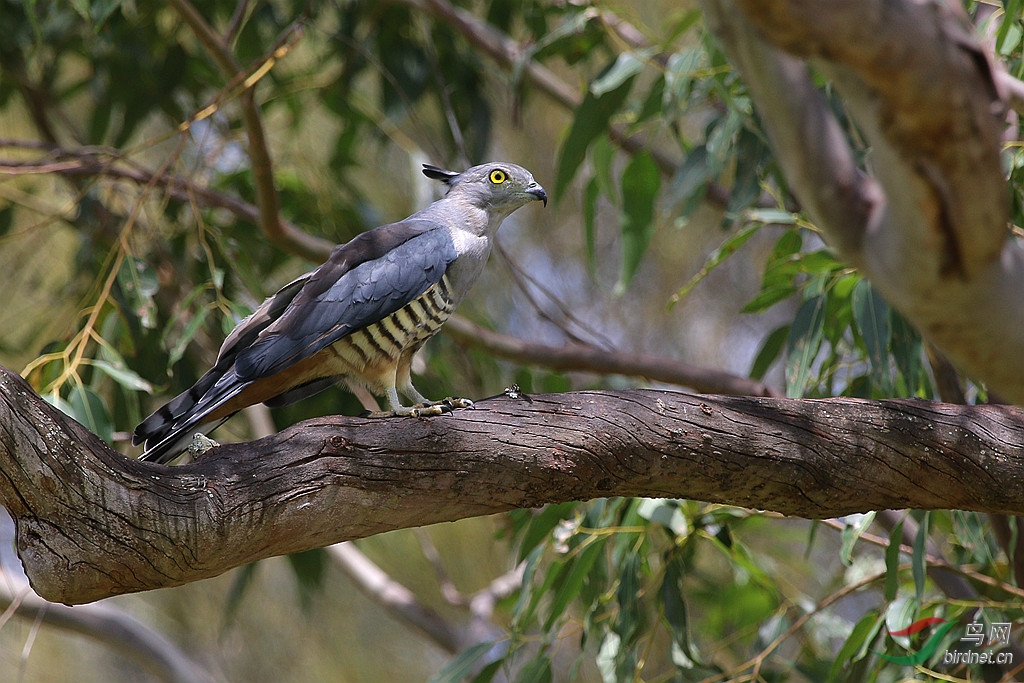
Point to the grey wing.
(361, 296)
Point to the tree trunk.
(92, 523)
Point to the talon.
(431, 410)
(454, 402)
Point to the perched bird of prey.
(359, 317)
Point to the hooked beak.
(538, 192)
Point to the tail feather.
(172, 445)
(168, 430)
(162, 420)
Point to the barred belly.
(372, 354)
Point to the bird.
(357, 319)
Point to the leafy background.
(129, 246)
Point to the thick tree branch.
(92, 523)
(929, 228)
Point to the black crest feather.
(438, 173)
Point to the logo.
(974, 636)
(930, 646)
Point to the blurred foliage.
(642, 589)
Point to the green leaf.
(568, 588)
(309, 568)
(589, 120)
(652, 106)
(871, 314)
(727, 249)
(899, 614)
(678, 23)
(750, 153)
(487, 673)
(664, 511)
(628, 622)
(852, 533)
(626, 66)
(907, 352)
(684, 654)
(456, 670)
(819, 262)
(770, 350)
(536, 671)
(919, 561)
(240, 582)
(591, 193)
(187, 335)
(602, 158)
(541, 524)
(802, 346)
(679, 73)
(126, 377)
(138, 283)
(641, 181)
(768, 297)
(6, 219)
(528, 595)
(773, 217)
(892, 562)
(780, 273)
(91, 410)
(857, 643)
(607, 655)
(690, 182)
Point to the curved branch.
(92, 523)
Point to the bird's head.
(497, 187)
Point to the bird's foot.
(200, 444)
(441, 407)
(425, 409)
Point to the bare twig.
(296, 241)
(451, 594)
(527, 283)
(113, 628)
(590, 359)
(393, 596)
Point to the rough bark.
(92, 523)
(926, 219)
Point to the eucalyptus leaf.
(641, 181)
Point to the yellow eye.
(498, 176)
